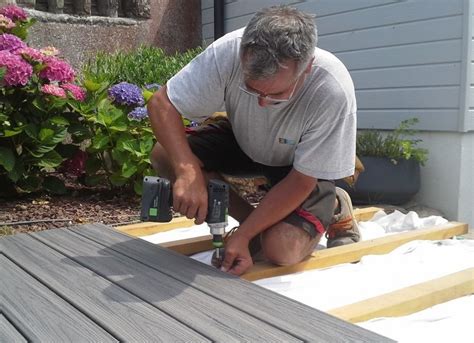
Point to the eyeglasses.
(267, 98)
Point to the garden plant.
(37, 89)
(93, 124)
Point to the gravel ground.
(37, 212)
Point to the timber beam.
(411, 299)
(354, 252)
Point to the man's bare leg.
(285, 244)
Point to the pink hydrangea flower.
(6, 23)
(31, 54)
(50, 51)
(14, 13)
(11, 42)
(18, 71)
(57, 70)
(54, 90)
(76, 91)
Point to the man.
(291, 117)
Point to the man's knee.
(285, 244)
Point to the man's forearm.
(168, 128)
(279, 202)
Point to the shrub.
(395, 145)
(119, 133)
(145, 65)
(36, 93)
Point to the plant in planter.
(392, 166)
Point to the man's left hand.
(237, 257)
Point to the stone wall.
(175, 26)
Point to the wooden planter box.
(385, 182)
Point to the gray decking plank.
(205, 314)
(291, 316)
(8, 333)
(39, 313)
(122, 314)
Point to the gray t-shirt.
(315, 131)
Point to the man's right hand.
(190, 195)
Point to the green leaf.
(60, 121)
(91, 86)
(94, 180)
(3, 71)
(109, 115)
(93, 165)
(42, 149)
(117, 180)
(130, 145)
(54, 185)
(79, 130)
(146, 145)
(50, 160)
(120, 156)
(119, 125)
(7, 159)
(138, 186)
(147, 95)
(45, 134)
(32, 131)
(29, 184)
(100, 141)
(11, 132)
(128, 169)
(49, 135)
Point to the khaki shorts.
(215, 145)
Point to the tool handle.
(218, 202)
(156, 200)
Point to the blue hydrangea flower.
(153, 86)
(138, 114)
(128, 94)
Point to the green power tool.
(157, 200)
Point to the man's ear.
(309, 66)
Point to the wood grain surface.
(295, 318)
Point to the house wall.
(408, 58)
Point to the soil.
(37, 212)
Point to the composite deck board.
(302, 321)
(201, 312)
(39, 313)
(8, 333)
(124, 315)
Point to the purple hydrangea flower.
(138, 114)
(57, 70)
(11, 42)
(14, 13)
(128, 94)
(153, 86)
(18, 71)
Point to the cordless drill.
(157, 200)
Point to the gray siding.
(407, 58)
(469, 69)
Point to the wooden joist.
(354, 252)
(149, 228)
(410, 299)
(194, 245)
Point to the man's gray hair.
(275, 35)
